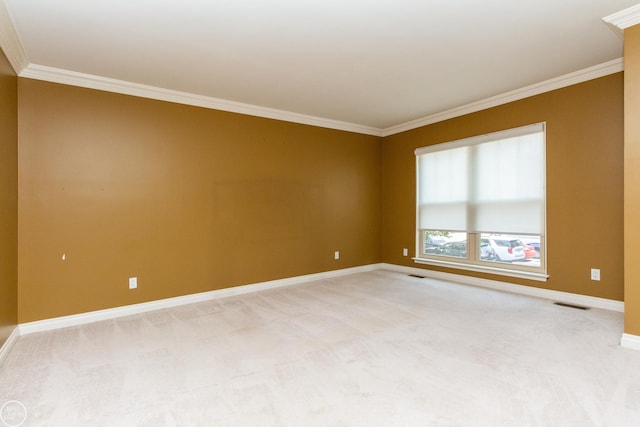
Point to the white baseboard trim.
(8, 344)
(583, 300)
(112, 313)
(128, 310)
(631, 342)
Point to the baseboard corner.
(8, 344)
(632, 342)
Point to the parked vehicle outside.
(459, 249)
(487, 253)
(534, 242)
(523, 250)
(432, 243)
(507, 248)
(454, 249)
(530, 252)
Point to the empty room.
(285, 213)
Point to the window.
(481, 203)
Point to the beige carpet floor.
(370, 349)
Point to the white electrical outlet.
(133, 282)
(595, 274)
(336, 255)
(405, 252)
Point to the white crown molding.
(631, 342)
(10, 42)
(72, 78)
(580, 76)
(13, 49)
(583, 300)
(626, 18)
(57, 75)
(128, 310)
(8, 344)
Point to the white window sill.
(522, 274)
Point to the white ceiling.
(372, 63)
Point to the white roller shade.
(443, 189)
(493, 183)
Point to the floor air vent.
(417, 276)
(564, 304)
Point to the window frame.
(472, 262)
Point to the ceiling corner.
(10, 42)
(626, 18)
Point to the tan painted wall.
(186, 199)
(8, 198)
(632, 180)
(584, 182)
(190, 200)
